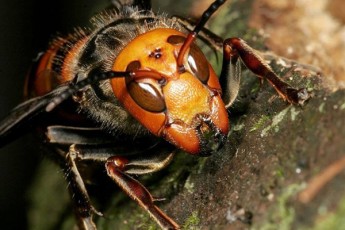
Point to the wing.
(26, 114)
(21, 118)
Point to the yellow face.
(182, 106)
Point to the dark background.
(26, 28)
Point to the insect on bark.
(137, 76)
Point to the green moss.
(238, 127)
(294, 113)
(192, 222)
(309, 85)
(279, 173)
(189, 185)
(334, 221)
(282, 214)
(322, 107)
(263, 119)
(125, 217)
(342, 106)
(49, 199)
(275, 122)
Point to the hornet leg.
(119, 168)
(235, 48)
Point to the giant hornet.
(139, 81)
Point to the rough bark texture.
(262, 177)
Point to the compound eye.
(145, 92)
(198, 63)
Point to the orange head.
(182, 105)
